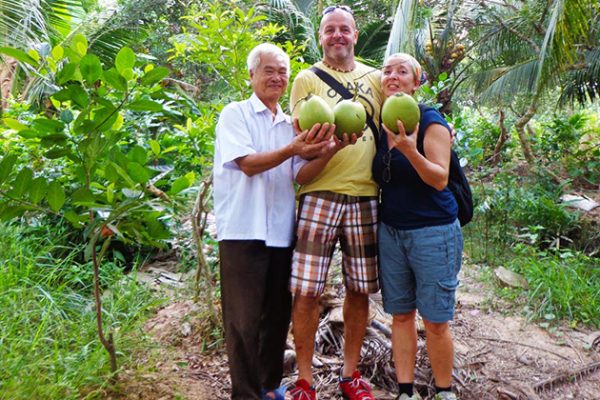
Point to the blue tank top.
(406, 202)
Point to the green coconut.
(350, 118)
(314, 110)
(403, 107)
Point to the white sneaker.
(445, 396)
(404, 396)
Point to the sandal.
(279, 393)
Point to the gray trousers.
(256, 306)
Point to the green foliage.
(86, 160)
(531, 48)
(37, 28)
(300, 21)
(561, 286)
(477, 135)
(561, 136)
(571, 143)
(568, 141)
(429, 91)
(513, 211)
(220, 38)
(520, 223)
(47, 322)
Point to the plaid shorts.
(323, 218)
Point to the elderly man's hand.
(315, 142)
(317, 133)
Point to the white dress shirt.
(261, 207)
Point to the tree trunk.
(204, 278)
(109, 343)
(530, 130)
(445, 99)
(7, 71)
(520, 127)
(495, 159)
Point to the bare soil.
(499, 355)
(504, 356)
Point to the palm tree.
(437, 35)
(581, 82)
(372, 39)
(529, 50)
(33, 25)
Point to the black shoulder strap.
(343, 91)
(421, 138)
(331, 81)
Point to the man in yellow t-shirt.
(338, 201)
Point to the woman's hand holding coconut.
(405, 143)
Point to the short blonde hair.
(266, 48)
(415, 67)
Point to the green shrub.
(571, 145)
(513, 210)
(477, 135)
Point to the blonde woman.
(420, 240)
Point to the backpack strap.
(342, 91)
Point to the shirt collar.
(259, 107)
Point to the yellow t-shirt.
(349, 170)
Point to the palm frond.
(304, 6)
(371, 40)
(26, 23)
(422, 37)
(557, 10)
(510, 42)
(402, 31)
(441, 24)
(37, 25)
(107, 43)
(582, 85)
(502, 84)
(21, 23)
(566, 27)
(299, 20)
(63, 15)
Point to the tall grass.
(48, 342)
(562, 286)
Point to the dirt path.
(506, 357)
(497, 356)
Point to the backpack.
(458, 185)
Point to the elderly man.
(338, 202)
(257, 156)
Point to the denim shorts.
(419, 269)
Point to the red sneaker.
(303, 391)
(355, 388)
